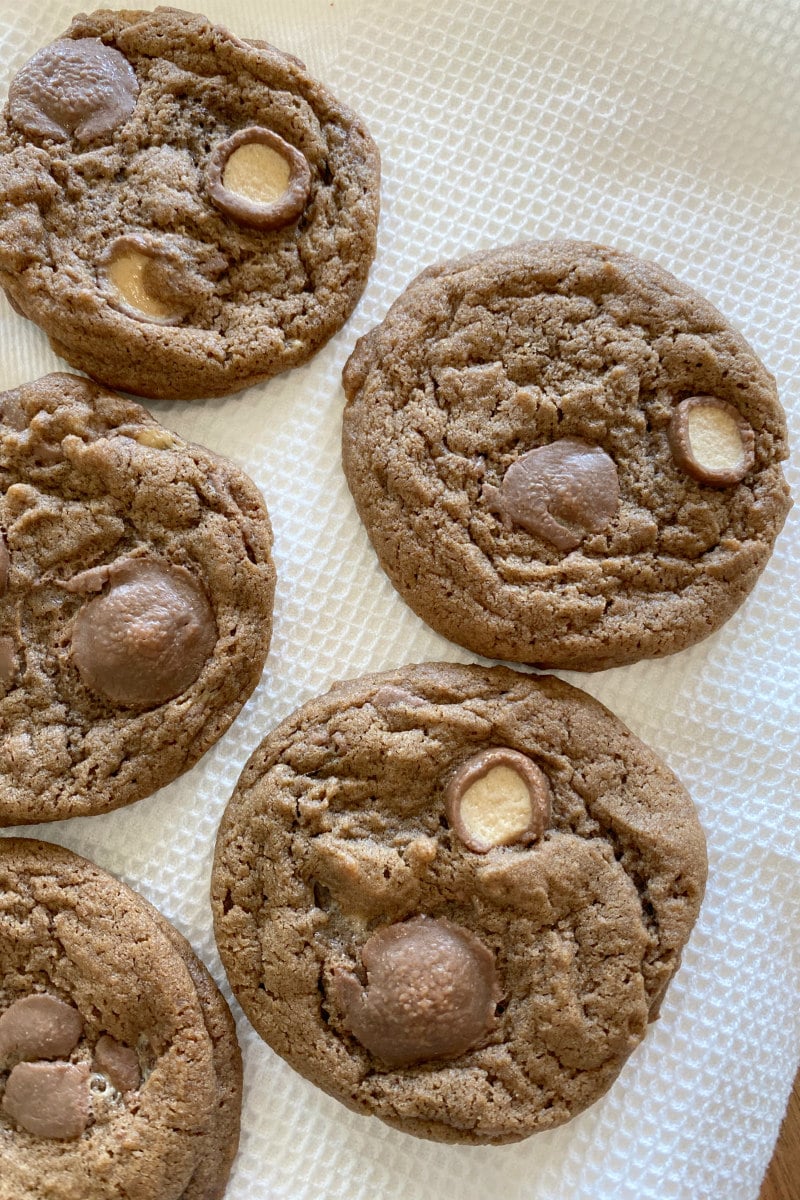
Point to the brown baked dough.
(71, 931)
(486, 419)
(227, 303)
(99, 501)
(340, 891)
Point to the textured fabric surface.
(668, 130)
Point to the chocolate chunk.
(258, 179)
(496, 798)
(39, 1026)
(76, 87)
(49, 1100)
(561, 492)
(118, 1063)
(146, 638)
(431, 992)
(711, 441)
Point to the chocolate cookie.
(221, 1141)
(211, 208)
(137, 586)
(453, 897)
(120, 1073)
(564, 456)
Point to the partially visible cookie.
(137, 586)
(211, 207)
(218, 1151)
(453, 897)
(120, 1072)
(564, 456)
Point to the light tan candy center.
(126, 273)
(257, 172)
(496, 809)
(156, 439)
(714, 437)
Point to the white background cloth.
(669, 129)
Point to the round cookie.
(137, 585)
(453, 897)
(563, 456)
(212, 208)
(104, 1006)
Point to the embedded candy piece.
(498, 797)
(118, 1063)
(39, 1026)
(258, 179)
(711, 441)
(156, 439)
(147, 637)
(49, 1099)
(5, 562)
(145, 284)
(431, 992)
(561, 492)
(76, 87)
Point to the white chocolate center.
(496, 809)
(257, 172)
(156, 439)
(126, 275)
(714, 438)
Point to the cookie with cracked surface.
(137, 585)
(453, 897)
(212, 209)
(218, 1151)
(563, 456)
(120, 1072)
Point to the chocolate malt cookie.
(211, 208)
(120, 1072)
(453, 897)
(564, 456)
(137, 585)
